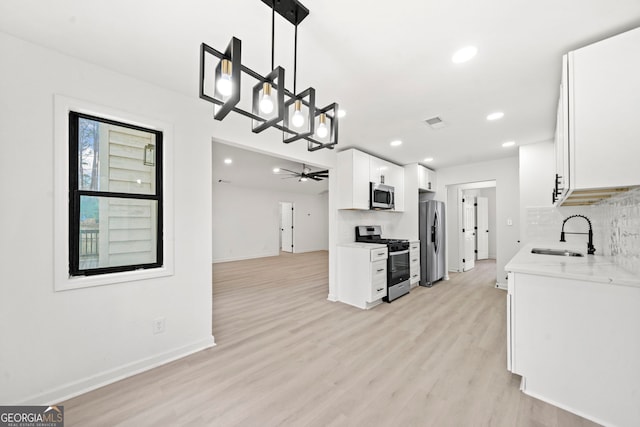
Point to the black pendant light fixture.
(295, 114)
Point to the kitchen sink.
(561, 252)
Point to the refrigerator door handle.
(434, 232)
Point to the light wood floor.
(287, 356)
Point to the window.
(115, 196)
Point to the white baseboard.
(332, 298)
(535, 395)
(305, 250)
(502, 286)
(76, 388)
(243, 257)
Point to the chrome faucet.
(590, 249)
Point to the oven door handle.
(399, 253)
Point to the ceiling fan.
(305, 174)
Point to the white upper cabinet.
(357, 169)
(599, 142)
(353, 180)
(426, 179)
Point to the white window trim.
(62, 281)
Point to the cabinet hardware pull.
(380, 269)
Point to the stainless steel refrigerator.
(432, 242)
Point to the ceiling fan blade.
(289, 177)
(315, 178)
(287, 170)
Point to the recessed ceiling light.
(396, 143)
(228, 161)
(342, 113)
(464, 54)
(509, 144)
(428, 159)
(495, 116)
(276, 170)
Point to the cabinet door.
(353, 180)
(426, 179)
(605, 101)
(562, 137)
(396, 179)
(360, 180)
(377, 170)
(431, 180)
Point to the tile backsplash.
(616, 227)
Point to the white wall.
(505, 173)
(56, 344)
(246, 222)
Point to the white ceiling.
(386, 63)
(255, 170)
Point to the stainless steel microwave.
(381, 196)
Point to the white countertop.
(591, 268)
(363, 245)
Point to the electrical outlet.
(158, 325)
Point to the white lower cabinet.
(362, 274)
(378, 280)
(576, 344)
(414, 263)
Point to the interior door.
(286, 226)
(482, 217)
(469, 232)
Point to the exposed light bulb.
(298, 118)
(303, 179)
(224, 84)
(322, 130)
(276, 170)
(266, 102)
(342, 113)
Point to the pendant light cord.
(295, 61)
(273, 33)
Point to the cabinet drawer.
(378, 254)
(379, 271)
(414, 277)
(378, 292)
(414, 246)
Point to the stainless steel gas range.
(397, 262)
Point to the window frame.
(62, 281)
(75, 195)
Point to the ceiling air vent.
(435, 122)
